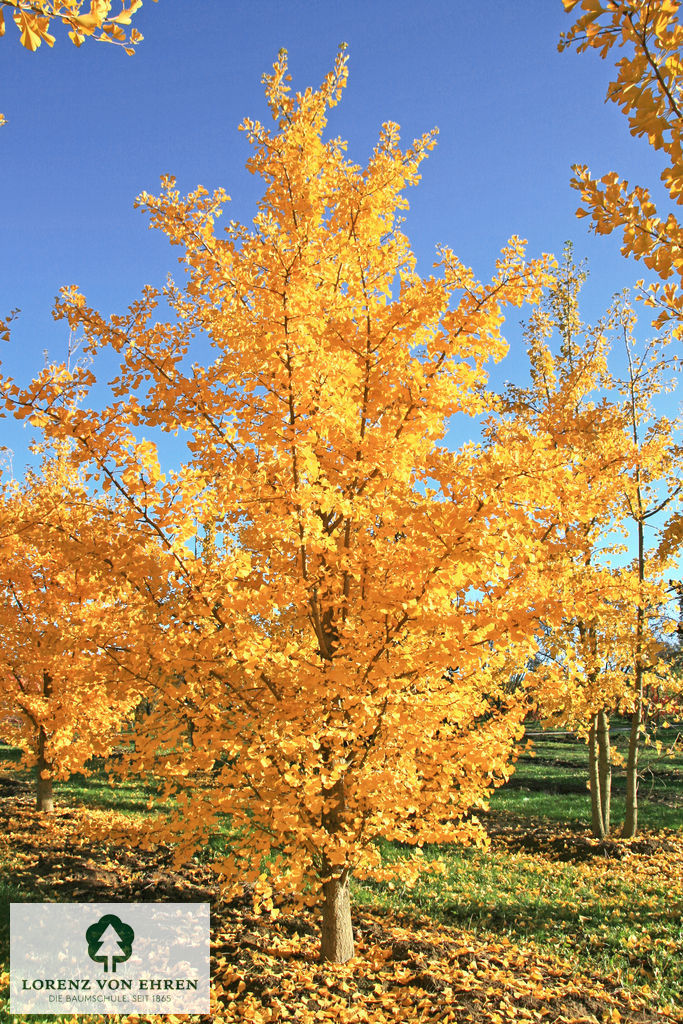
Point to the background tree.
(341, 646)
(68, 679)
(606, 649)
(575, 679)
(652, 492)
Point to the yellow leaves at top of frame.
(33, 19)
(647, 87)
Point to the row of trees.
(611, 652)
(323, 604)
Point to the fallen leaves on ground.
(571, 842)
(266, 970)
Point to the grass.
(128, 796)
(614, 916)
(576, 807)
(621, 916)
(558, 768)
(608, 918)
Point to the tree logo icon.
(110, 941)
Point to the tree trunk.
(631, 817)
(337, 932)
(597, 821)
(605, 769)
(44, 800)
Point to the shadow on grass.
(573, 920)
(95, 792)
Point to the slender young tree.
(606, 648)
(575, 679)
(652, 494)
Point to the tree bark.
(605, 769)
(44, 798)
(640, 514)
(337, 931)
(597, 822)
(631, 818)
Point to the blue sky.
(89, 129)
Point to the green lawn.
(550, 782)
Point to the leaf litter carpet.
(266, 969)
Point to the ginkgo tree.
(69, 679)
(341, 647)
(573, 679)
(605, 651)
(97, 21)
(652, 499)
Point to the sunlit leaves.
(647, 87)
(343, 595)
(35, 18)
(601, 644)
(96, 20)
(70, 679)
